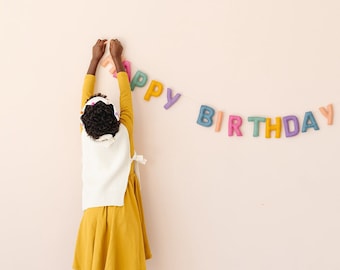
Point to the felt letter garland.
(206, 113)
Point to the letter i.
(219, 121)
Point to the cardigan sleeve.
(87, 92)
(88, 89)
(126, 108)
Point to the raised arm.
(98, 50)
(126, 108)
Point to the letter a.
(309, 122)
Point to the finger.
(103, 42)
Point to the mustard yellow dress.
(114, 237)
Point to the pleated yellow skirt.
(114, 237)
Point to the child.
(112, 234)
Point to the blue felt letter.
(205, 116)
(309, 122)
(140, 79)
(256, 121)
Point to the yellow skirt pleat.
(114, 237)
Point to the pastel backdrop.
(212, 201)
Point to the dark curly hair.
(99, 119)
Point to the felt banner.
(287, 126)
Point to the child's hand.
(98, 49)
(116, 49)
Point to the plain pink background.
(211, 201)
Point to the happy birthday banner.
(206, 113)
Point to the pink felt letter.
(234, 125)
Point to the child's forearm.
(116, 50)
(93, 66)
(118, 64)
(97, 52)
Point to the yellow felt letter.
(155, 90)
(276, 127)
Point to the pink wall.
(211, 201)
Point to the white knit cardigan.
(106, 164)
